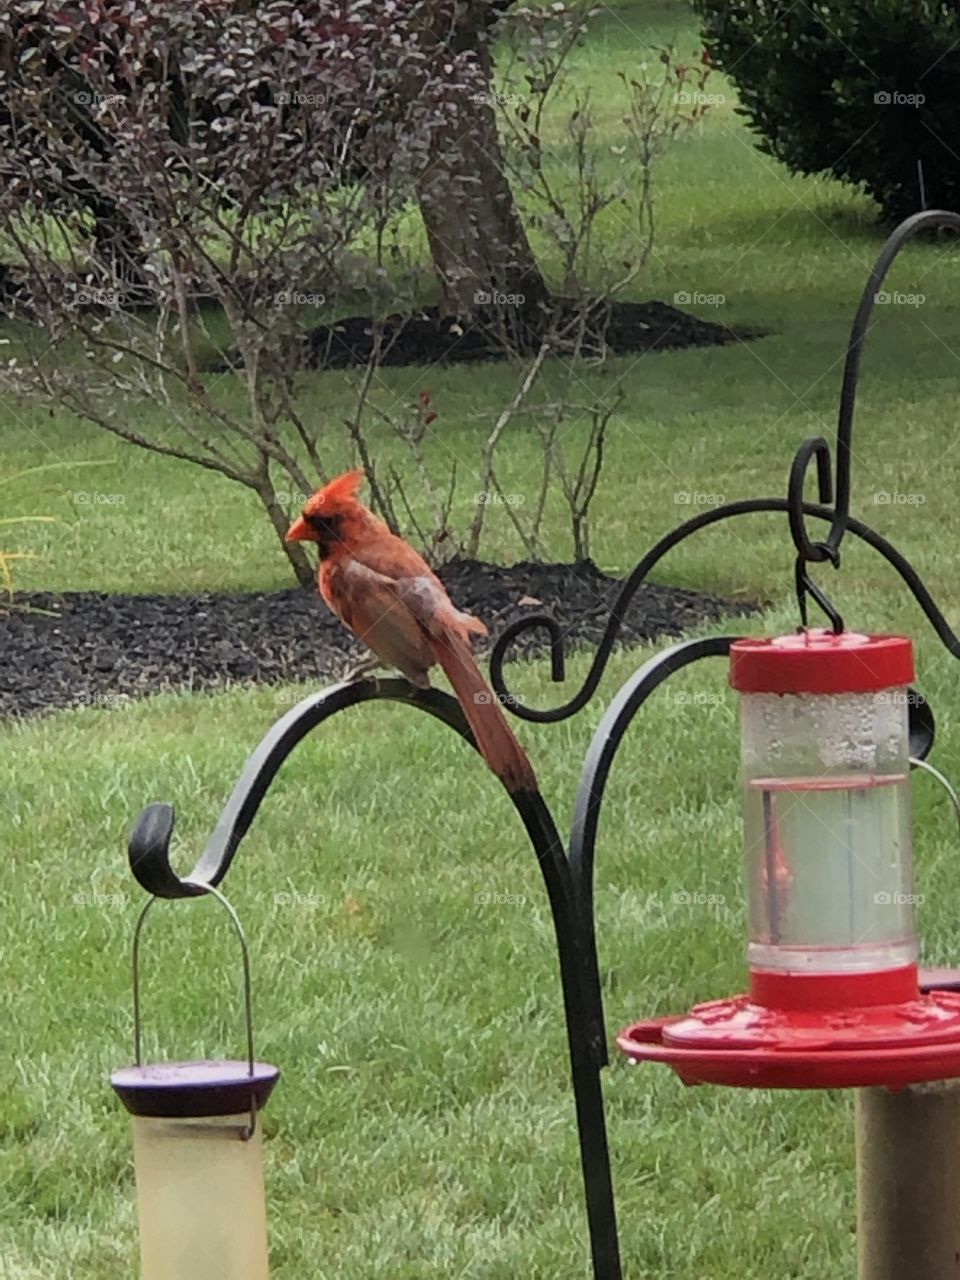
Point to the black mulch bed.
(102, 649)
(429, 337)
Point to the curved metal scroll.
(748, 506)
(150, 840)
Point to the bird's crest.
(341, 489)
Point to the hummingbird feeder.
(198, 1153)
(834, 998)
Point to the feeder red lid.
(818, 661)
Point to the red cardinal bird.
(386, 594)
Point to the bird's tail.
(496, 740)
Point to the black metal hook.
(814, 448)
(804, 587)
(747, 506)
(809, 551)
(837, 514)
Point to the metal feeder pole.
(908, 1182)
(908, 1142)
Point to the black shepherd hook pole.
(568, 875)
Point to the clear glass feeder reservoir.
(825, 760)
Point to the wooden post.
(908, 1182)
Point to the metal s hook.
(814, 448)
(808, 551)
(805, 586)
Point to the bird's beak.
(300, 531)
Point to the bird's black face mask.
(327, 529)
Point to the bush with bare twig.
(241, 155)
(231, 136)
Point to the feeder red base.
(810, 1032)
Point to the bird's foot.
(363, 668)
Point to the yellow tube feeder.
(198, 1156)
(198, 1149)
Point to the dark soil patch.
(590, 329)
(617, 328)
(100, 650)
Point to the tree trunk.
(299, 562)
(477, 241)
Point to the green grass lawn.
(424, 1126)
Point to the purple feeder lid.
(179, 1090)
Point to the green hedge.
(868, 90)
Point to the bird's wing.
(389, 598)
(415, 583)
(374, 608)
